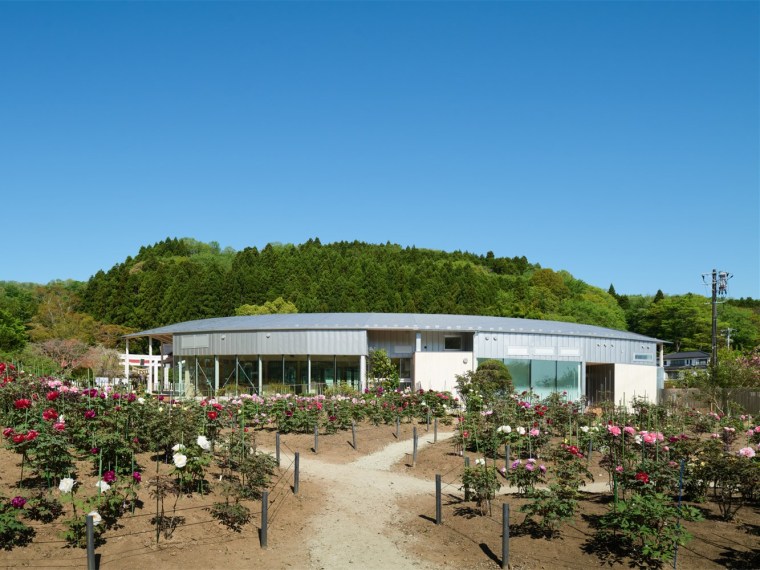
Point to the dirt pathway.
(357, 526)
(358, 522)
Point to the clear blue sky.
(616, 140)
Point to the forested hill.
(182, 279)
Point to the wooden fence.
(747, 398)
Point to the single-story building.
(307, 352)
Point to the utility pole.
(719, 288)
(714, 319)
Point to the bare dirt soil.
(371, 507)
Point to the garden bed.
(365, 498)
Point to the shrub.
(13, 532)
(647, 526)
(482, 482)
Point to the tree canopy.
(181, 279)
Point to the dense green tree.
(58, 317)
(683, 320)
(278, 306)
(491, 381)
(19, 299)
(382, 371)
(12, 332)
(183, 279)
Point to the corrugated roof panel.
(384, 321)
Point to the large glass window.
(543, 377)
(272, 371)
(404, 366)
(196, 374)
(569, 379)
(296, 374)
(520, 372)
(322, 373)
(248, 373)
(348, 370)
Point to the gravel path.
(358, 526)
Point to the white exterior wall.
(438, 370)
(633, 381)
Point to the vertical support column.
(414, 446)
(308, 373)
(296, 473)
(261, 376)
(505, 535)
(216, 374)
(438, 507)
(151, 365)
(90, 534)
(126, 361)
(363, 372)
(263, 537)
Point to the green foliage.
(382, 371)
(553, 507)
(490, 382)
(13, 532)
(734, 371)
(50, 456)
(178, 280)
(278, 306)
(683, 320)
(43, 507)
(481, 482)
(728, 479)
(648, 527)
(232, 515)
(525, 475)
(12, 332)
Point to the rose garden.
(120, 456)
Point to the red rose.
(643, 477)
(49, 414)
(212, 415)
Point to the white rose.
(204, 443)
(178, 447)
(584, 429)
(179, 460)
(66, 485)
(140, 400)
(521, 430)
(103, 486)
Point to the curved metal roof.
(389, 321)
